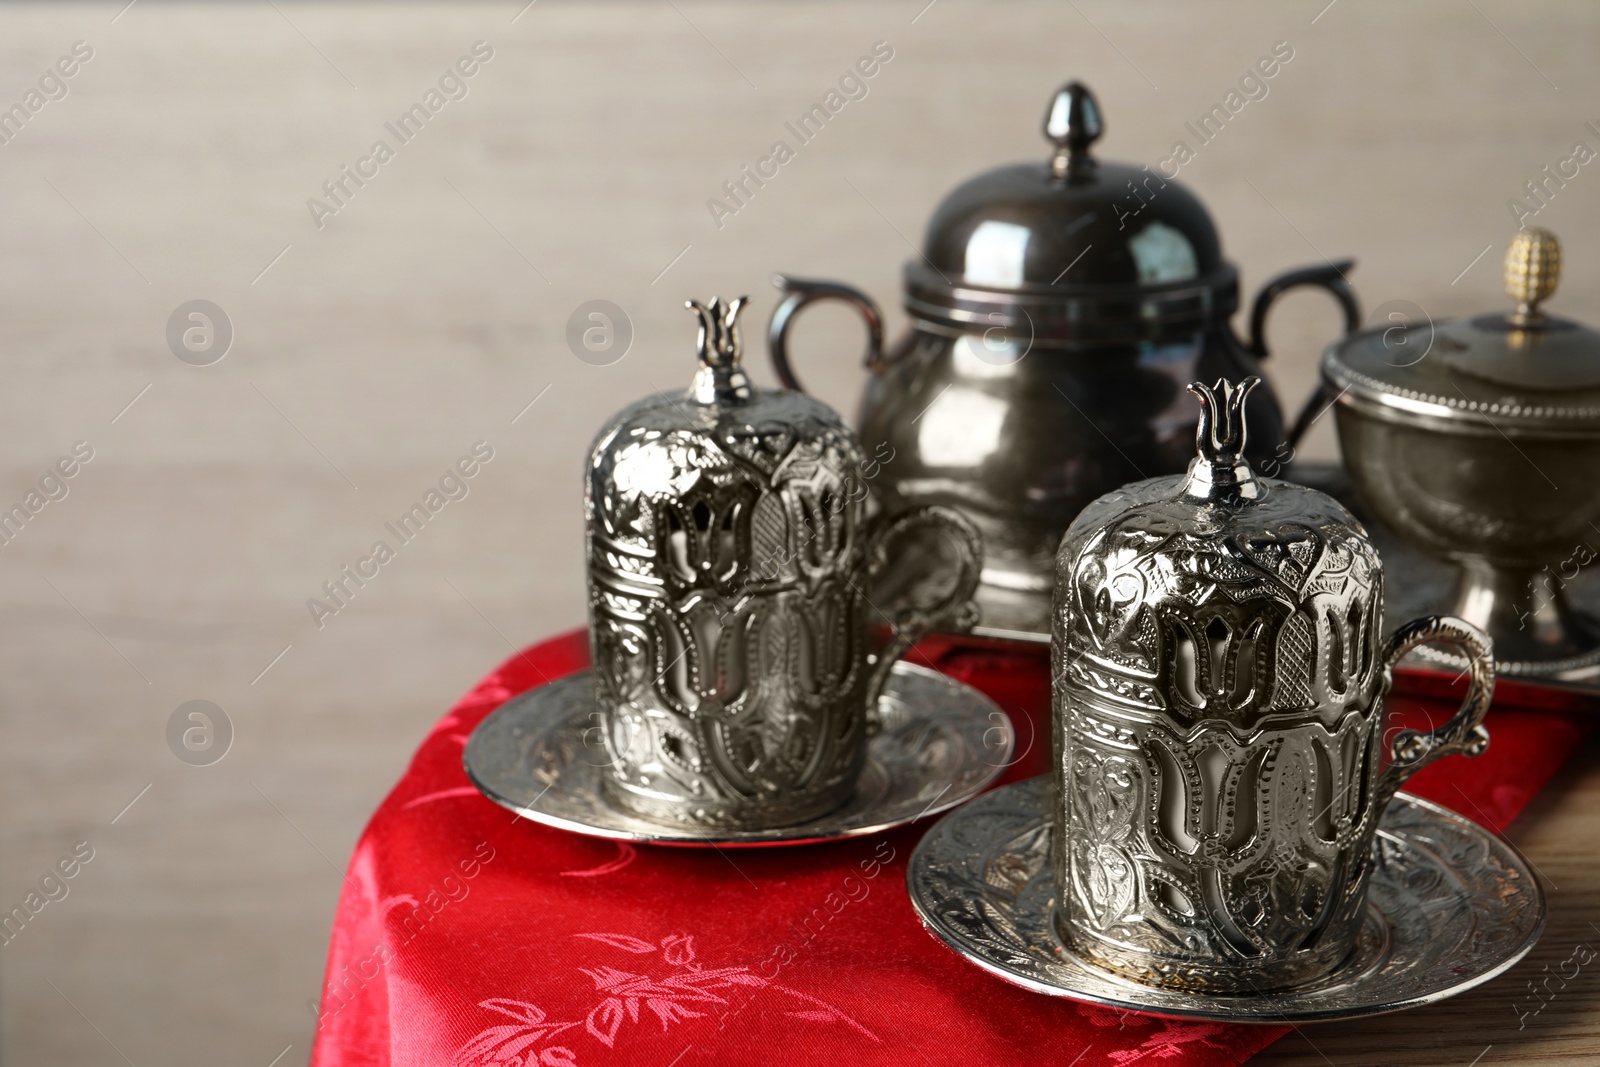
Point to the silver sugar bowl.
(730, 561)
(1478, 441)
(1220, 745)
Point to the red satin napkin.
(469, 937)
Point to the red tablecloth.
(466, 936)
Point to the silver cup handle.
(1412, 750)
(889, 537)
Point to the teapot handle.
(798, 292)
(1329, 276)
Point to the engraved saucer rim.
(1109, 990)
(841, 824)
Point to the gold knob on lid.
(1533, 270)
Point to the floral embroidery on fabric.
(1164, 1044)
(688, 991)
(514, 1045)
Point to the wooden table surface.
(374, 345)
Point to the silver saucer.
(942, 742)
(1450, 906)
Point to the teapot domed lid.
(1521, 370)
(1071, 237)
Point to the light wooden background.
(427, 314)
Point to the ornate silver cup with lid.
(730, 562)
(1221, 749)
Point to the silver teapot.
(1058, 308)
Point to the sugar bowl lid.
(1070, 236)
(1521, 370)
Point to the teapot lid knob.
(721, 378)
(1073, 123)
(1533, 270)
